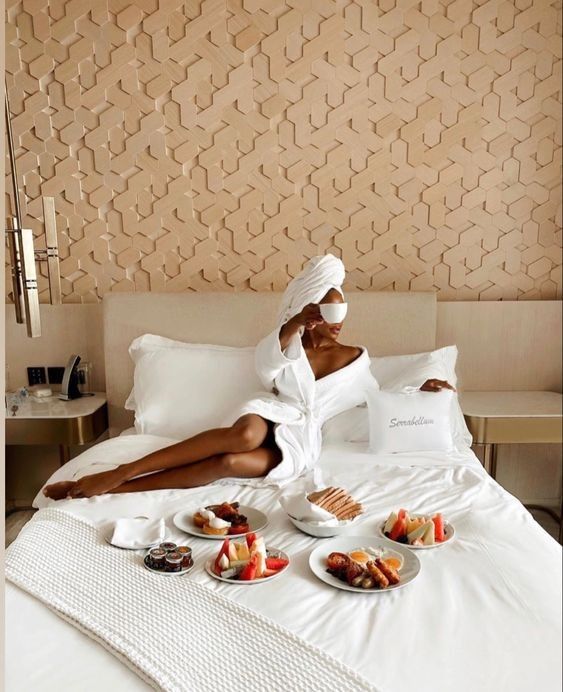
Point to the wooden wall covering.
(218, 145)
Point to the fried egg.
(360, 556)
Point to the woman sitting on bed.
(309, 377)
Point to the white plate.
(257, 520)
(167, 574)
(449, 533)
(344, 544)
(271, 552)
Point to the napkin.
(298, 506)
(137, 533)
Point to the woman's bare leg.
(245, 435)
(252, 464)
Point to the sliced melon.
(242, 551)
(259, 546)
(261, 564)
(233, 555)
(428, 538)
(239, 564)
(390, 522)
(417, 533)
(414, 523)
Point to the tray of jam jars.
(169, 559)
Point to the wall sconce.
(23, 255)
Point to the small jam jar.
(186, 554)
(157, 558)
(173, 562)
(167, 547)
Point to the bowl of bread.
(323, 513)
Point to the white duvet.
(484, 613)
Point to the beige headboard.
(386, 323)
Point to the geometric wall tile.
(217, 146)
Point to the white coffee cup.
(333, 313)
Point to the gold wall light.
(23, 255)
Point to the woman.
(277, 435)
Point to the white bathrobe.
(298, 404)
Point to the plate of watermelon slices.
(247, 561)
(417, 531)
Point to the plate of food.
(247, 561)
(417, 531)
(324, 513)
(218, 521)
(169, 559)
(363, 565)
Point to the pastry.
(336, 501)
(216, 527)
(202, 516)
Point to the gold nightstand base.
(79, 430)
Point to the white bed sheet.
(484, 613)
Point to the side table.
(514, 418)
(51, 421)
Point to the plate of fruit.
(247, 561)
(417, 531)
(363, 565)
(218, 521)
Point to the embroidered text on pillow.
(421, 420)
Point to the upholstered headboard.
(386, 323)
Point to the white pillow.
(413, 422)
(182, 389)
(394, 373)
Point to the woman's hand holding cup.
(309, 317)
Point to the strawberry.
(249, 572)
(276, 563)
(250, 538)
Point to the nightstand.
(514, 418)
(51, 421)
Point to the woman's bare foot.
(58, 491)
(97, 483)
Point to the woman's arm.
(309, 317)
(282, 347)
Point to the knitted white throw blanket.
(136, 615)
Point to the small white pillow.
(409, 422)
(394, 373)
(182, 389)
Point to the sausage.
(390, 572)
(377, 575)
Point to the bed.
(484, 613)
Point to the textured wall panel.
(219, 144)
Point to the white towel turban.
(319, 275)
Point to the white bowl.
(320, 531)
